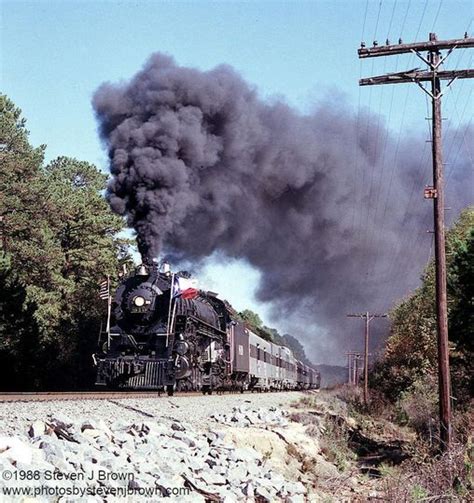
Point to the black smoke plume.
(320, 204)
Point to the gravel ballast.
(15, 417)
(176, 447)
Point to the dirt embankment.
(341, 455)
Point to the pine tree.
(60, 241)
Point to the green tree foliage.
(255, 323)
(411, 350)
(59, 243)
(274, 335)
(461, 288)
(252, 318)
(295, 345)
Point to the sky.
(54, 55)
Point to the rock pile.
(92, 460)
(244, 416)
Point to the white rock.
(92, 433)
(246, 454)
(295, 498)
(62, 420)
(264, 493)
(90, 469)
(177, 426)
(62, 465)
(50, 445)
(196, 464)
(15, 451)
(238, 472)
(253, 469)
(38, 428)
(212, 478)
(119, 425)
(95, 425)
(277, 481)
(184, 437)
(295, 488)
(249, 490)
(227, 495)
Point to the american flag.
(104, 289)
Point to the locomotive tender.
(167, 336)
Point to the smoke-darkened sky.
(201, 164)
(304, 52)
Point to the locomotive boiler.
(165, 334)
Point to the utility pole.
(349, 368)
(368, 318)
(357, 358)
(434, 60)
(353, 367)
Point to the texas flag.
(185, 288)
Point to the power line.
(399, 133)
(466, 145)
(435, 76)
(399, 255)
(367, 234)
(356, 133)
(391, 19)
(437, 14)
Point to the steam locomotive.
(165, 334)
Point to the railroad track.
(43, 396)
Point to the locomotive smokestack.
(142, 270)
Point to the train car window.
(253, 351)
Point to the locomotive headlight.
(181, 347)
(139, 301)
